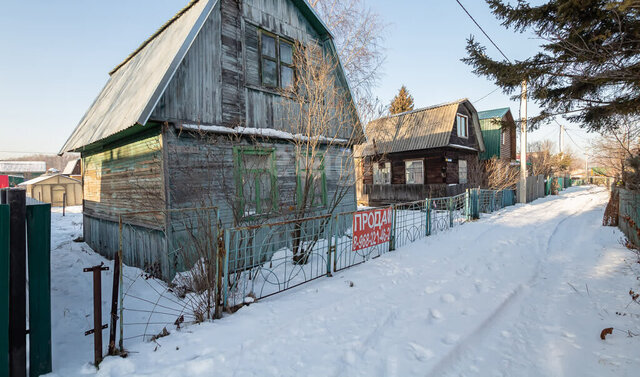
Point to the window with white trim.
(381, 173)
(462, 122)
(462, 171)
(414, 172)
(504, 136)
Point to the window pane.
(286, 75)
(269, 73)
(413, 172)
(286, 53)
(382, 175)
(268, 46)
(257, 189)
(462, 171)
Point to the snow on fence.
(266, 259)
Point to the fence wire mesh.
(182, 240)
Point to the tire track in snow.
(476, 337)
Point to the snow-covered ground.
(523, 292)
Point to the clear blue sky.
(57, 55)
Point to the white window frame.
(406, 172)
(462, 132)
(462, 180)
(381, 176)
(504, 136)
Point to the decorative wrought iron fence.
(410, 223)
(262, 260)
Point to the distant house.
(428, 152)
(499, 134)
(157, 137)
(24, 169)
(56, 189)
(73, 169)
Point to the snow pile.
(525, 291)
(72, 298)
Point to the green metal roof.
(495, 113)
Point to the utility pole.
(523, 142)
(561, 141)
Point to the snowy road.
(523, 292)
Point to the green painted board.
(39, 249)
(4, 289)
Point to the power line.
(482, 30)
(487, 95)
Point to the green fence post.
(4, 290)
(39, 250)
(466, 205)
(493, 200)
(428, 217)
(392, 241)
(225, 281)
(333, 230)
(450, 205)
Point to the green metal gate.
(4, 289)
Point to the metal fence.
(629, 215)
(266, 259)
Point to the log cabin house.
(192, 118)
(429, 152)
(499, 134)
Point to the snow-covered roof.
(44, 177)
(259, 132)
(71, 165)
(23, 166)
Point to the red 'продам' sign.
(371, 228)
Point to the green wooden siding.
(491, 133)
(4, 289)
(39, 243)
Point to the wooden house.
(192, 118)
(499, 134)
(73, 169)
(56, 189)
(423, 153)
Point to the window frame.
(406, 181)
(466, 172)
(466, 125)
(376, 167)
(277, 59)
(299, 170)
(240, 170)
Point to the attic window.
(276, 61)
(462, 122)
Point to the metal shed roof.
(23, 166)
(135, 86)
(46, 177)
(71, 165)
(424, 128)
(494, 113)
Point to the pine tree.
(588, 68)
(402, 102)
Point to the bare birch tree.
(358, 33)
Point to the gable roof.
(137, 83)
(494, 113)
(46, 177)
(135, 86)
(70, 167)
(425, 128)
(23, 166)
